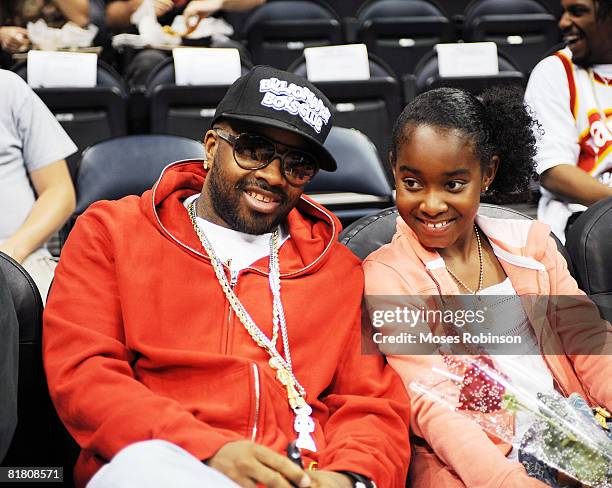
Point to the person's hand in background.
(14, 39)
(199, 9)
(162, 6)
(10, 250)
(202, 8)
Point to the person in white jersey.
(37, 195)
(571, 95)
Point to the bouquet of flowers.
(563, 437)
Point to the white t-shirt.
(30, 138)
(568, 101)
(237, 249)
(527, 371)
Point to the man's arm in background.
(574, 185)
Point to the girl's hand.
(14, 39)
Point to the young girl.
(448, 148)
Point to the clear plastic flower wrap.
(563, 435)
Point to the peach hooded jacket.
(448, 449)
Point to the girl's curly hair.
(499, 123)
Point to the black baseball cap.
(275, 98)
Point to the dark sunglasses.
(252, 152)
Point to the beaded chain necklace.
(296, 394)
(480, 260)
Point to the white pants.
(157, 464)
(40, 265)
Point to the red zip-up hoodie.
(140, 341)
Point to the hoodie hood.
(314, 230)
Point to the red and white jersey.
(574, 108)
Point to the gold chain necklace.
(296, 394)
(480, 260)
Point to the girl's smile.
(438, 180)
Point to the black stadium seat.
(126, 166)
(40, 438)
(32, 397)
(278, 31)
(427, 76)
(524, 30)
(370, 106)
(588, 242)
(345, 8)
(89, 115)
(359, 186)
(9, 366)
(455, 8)
(181, 110)
(402, 32)
(129, 165)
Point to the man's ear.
(211, 144)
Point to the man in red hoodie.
(215, 319)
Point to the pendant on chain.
(303, 424)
